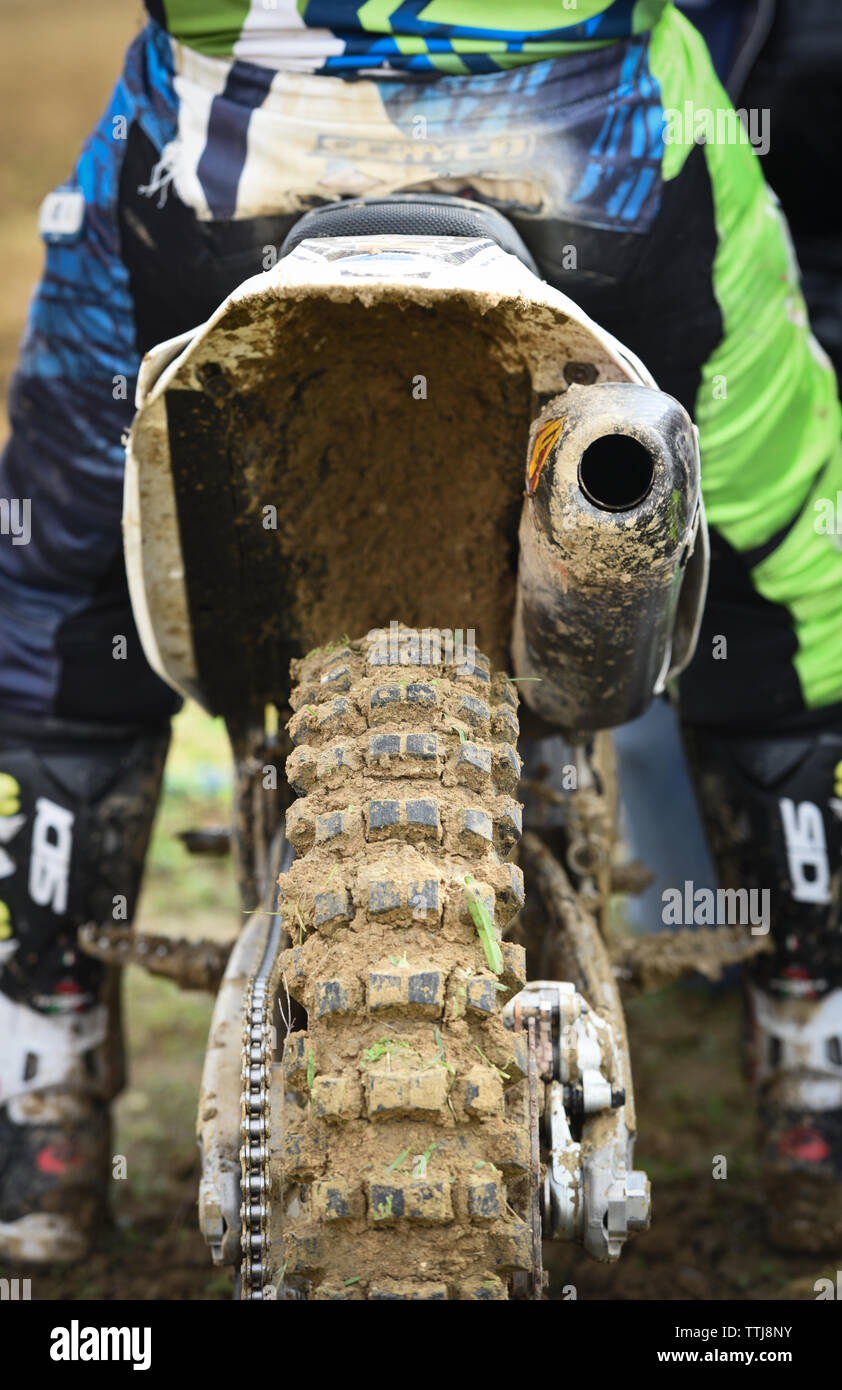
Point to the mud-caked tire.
(401, 1166)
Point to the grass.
(421, 1161)
(504, 1075)
(484, 925)
(384, 1209)
(383, 1048)
(396, 1162)
(179, 887)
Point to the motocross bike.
(388, 1109)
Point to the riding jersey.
(343, 37)
(202, 162)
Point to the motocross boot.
(76, 808)
(773, 813)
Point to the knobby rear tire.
(402, 1170)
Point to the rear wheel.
(403, 1170)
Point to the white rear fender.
(525, 325)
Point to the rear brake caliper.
(591, 1193)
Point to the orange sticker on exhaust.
(544, 441)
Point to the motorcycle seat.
(410, 215)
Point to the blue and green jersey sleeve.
(447, 36)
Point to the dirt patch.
(416, 511)
(391, 445)
(396, 506)
(650, 962)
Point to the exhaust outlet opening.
(616, 472)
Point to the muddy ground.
(707, 1238)
(57, 61)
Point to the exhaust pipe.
(611, 514)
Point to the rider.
(580, 121)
